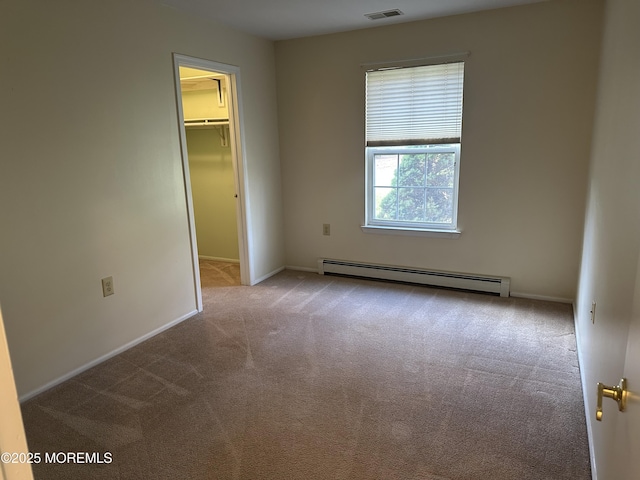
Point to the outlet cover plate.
(107, 286)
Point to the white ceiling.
(285, 19)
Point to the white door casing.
(236, 142)
(12, 437)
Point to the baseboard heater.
(462, 281)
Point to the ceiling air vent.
(385, 14)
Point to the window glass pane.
(412, 171)
(414, 186)
(439, 205)
(411, 204)
(384, 172)
(441, 168)
(386, 203)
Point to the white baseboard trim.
(103, 358)
(301, 269)
(219, 259)
(585, 397)
(541, 297)
(270, 274)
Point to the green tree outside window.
(421, 189)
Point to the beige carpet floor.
(315, 377)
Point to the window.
(414, 126)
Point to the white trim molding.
(411, 232)
(105, 357)
(546, 298)
(219, 259)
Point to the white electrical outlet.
(107, 286)
(326, 229)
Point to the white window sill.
(413, 232)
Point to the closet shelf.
(205, 122)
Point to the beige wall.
(529, 100)
(91, 179)
(611, 250)
(203, 104)
(212, 188)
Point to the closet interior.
(206, 117)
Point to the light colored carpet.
(312, 377)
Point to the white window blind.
(415, 105)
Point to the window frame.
(372, 148)
(372, 222)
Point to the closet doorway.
(211, 141)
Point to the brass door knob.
(618, 393)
